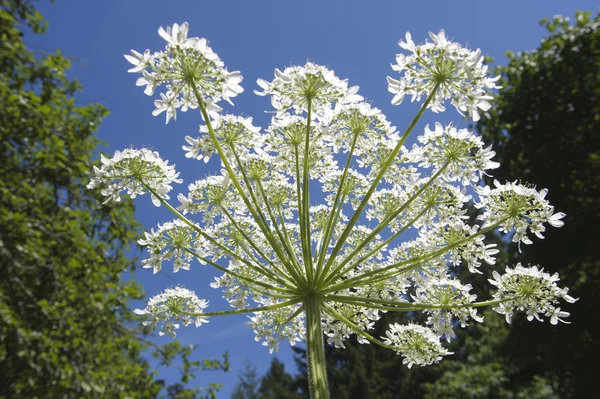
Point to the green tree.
(65, 327)
(248, 383)
(545, 126)
(277, 383)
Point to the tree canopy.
(545, 127)
(65, 327)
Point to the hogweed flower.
(186, 66)
(309, 268)
(532, 290)
(447, 68)
(135, 171)
(172, 306)
(418, 344)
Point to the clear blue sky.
(358, 39)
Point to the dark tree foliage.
(545, 127)
(248, 383)
(275, 384)
(65, 327)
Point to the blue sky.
(357, 39)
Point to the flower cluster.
(532, 290)
(134, 171)
(305, 268)
(418, 344)
(233, 132)
(274, 326)
(172, 241)
(460, 150)
(516, 206)
(189, 68)
(295, 85)
(174, 305)
(453, 299)
(455, 72)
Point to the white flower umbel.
(418, 344)
(174, 306)
(454, 299)
(519, 208)
(463, 151)
(187, 66)
(531, 290)
(172, 241)
(134, 171)
(292, 88)
(310, 270)
(456, 73)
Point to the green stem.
(407, 306)
(384, 223)
(286, 247)
(252, 244)
(330, 228)
(196, 228)
(362, 279)
(286, 235)
(317, 376)
(242, 311)
(336, 274)
(306, 199)
(342, 240)
(300, 211)
(234, 179)
(249, 281)
(357, 330)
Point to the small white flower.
(418, 344)
(459, 74)
(292, 87)
(172, 241)
(462, 150)
(521, 209)
(532, 290)
(132, 171)
(186, 65)
(174, 305)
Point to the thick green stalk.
(317, 376)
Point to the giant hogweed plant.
(320, 269)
